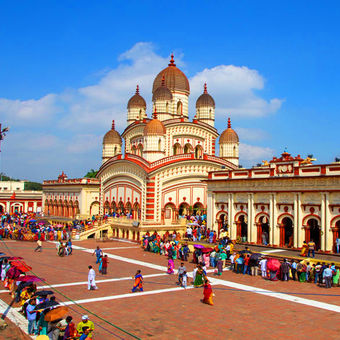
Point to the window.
(179, 108)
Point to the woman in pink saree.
(171, 266)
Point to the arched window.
(210, 116)
(179, 108)
(234, 151)
(188, 148)
(159, 145)
(177, 149)
(167, 107)
(115, 151)
(140, 114)
(199, 152)
(140, 150)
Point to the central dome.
(154, 127)
(175, 79)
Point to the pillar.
(34, 206)
(323, 221)
(252, 228)
(296, 220)
(274, 231)
(328, 231)
(232, 226)
(211, 210)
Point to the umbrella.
(43, 292)
(195, 223)
(198, 246)
(30, 278)
(245, 252)
(21, 266)
(44, 305)
(56, 313)
(273, 264)
(206, 250)
(11, 258)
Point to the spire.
(163, 80)
(172, 61)
(137, 89)
(113, 124)
(155, 113)
(205, 88)
(229, 123)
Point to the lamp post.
(3, 132)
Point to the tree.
(91, 174)
(33, 186)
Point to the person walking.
(138, 285)
(91, 280)
(98, 253)
(285, 266)
(39, 246)
(31, 316)
(105, 261)
(263, 265)
(180, 271)
(311, 248)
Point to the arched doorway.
(265, 229)
(287, 235)
(242, 228)
(183, 209)
(170, 213)
(177, 149)
(313, 232)
(336, 235)
(136, 211)
(128, 208)
(199, 152)
(113, 207)
(2, 210)
(198, 209)
(121, 207)
(188, 148)
(106, 207)
(94, 208)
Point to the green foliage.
(4, 177)
(91, 174)
(33, 186)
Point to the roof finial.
(205, 88)
(172, 61)
(229, 123)
(137, 89)
(163, 80)
(155, 113)
(113, 124)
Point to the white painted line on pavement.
(272, 251)
(114, 248)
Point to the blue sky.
(68, 67)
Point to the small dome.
(175, 79)
(112, 136)
(205, 99)
(162, 92)
(228, 135)
(136, 100)
(154, 127)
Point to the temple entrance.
(314, 232)
(1, 209)
(336, 235)
(183, 209)
(243, 228)
(288, 232)
(265, 230)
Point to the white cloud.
(249, 134)
(251, 154)
(233, 88)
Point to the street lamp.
(3, 132)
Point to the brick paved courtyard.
(245, 307)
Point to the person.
(100, 264)
(232, 262)
(246, 269)
(336, 277)
(180, 271)
(239, 264)
(4, 269)
(85, 322)
(171, 265)
(98, 253)
(185, 252)
(138, 285)
(285, 266)
(208, 293)
(57, 329)
(223, 257)
(327, 275)
(263, 266)
(39, 246)
(219, 266)
(85, 334)
(198, 282)
(105, 261)
(293, 267)
(311, 248)
(184, 279)
(70, 330)
(91, 280)
(31, 316)
(304, 249)
(69, 247)
(337, 244)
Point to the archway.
(2, 209)
(170, 213)
(106, 207)
(140, 150)
(243, 228)
(134, 150)
(287, 234)
(179, 108)
(198, 208)
(313, 232)
(177, 149)
(113, 207)
(265, 236)
(336, 235)
(136, 211)
(199, 152)
(183, 209)
(94, 208)
(121, 207)
(188, 148)
(128, 208)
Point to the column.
(296, 220)
(211, 210)
(35, 206)
(275, 230)
(251, 228)
(301, 231)
(25, 206)
(323, 221)
(328, 232)
(232, 226)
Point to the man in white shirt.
(189, 233)
(91, 280)
(263, 266)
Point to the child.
(184, 279)
(85, 334)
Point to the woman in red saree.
(208, 293)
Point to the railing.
(171, 158)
